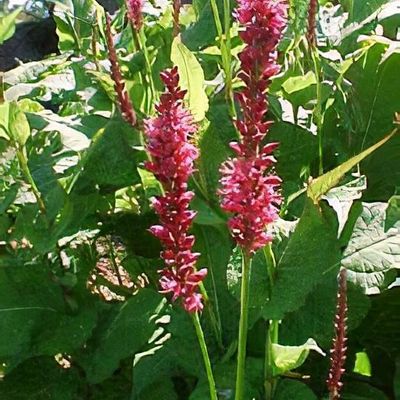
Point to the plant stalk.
(225, 48)
(243, 325)
(228, 58)
(139, 41)
(269, 367)
(23, 162)
(318, 108)
(206, 357)
(142, 41)
(273, 330)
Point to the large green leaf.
(177, 355)
(110, 162)
(123, 333)
(293, 390)
(362, 391)
(34, 318)
(312, 251)
(380, 328)
(372, 253)
(315, 318)
(43, 379)
(191, 78)
(374, 100)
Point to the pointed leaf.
(324, 183)
(287, 358)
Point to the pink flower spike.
(249, 190)
(172, 162)
(134, 12)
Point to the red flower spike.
(312, 23)
(338, 351)
(172, 162)
(134, 12)
(124, 102)
(249, 190)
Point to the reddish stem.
(312, 23)
(176, 13)
(338, 352)
(124, 102)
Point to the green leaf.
(43, 379)
(362, 365)
(293, 390)
(361, 391)
(397, 380)
(7, 25)
(206, 215)
(392, 212)
(324, 183)
(372, 103)
(111, 162)
(372, 252)
(215, 246)
(125, 332)
(177, 356)
(315, 318)
(203, 32)
(297, 83)
(381, 326)
(74, 24)
(341, 199)
(191, 79)
(287, 358)
(312, 251)
(214, 149)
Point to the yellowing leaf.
(191, 79)
(324, 183)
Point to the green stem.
(271, 265)
(23, 162)
(269, 367)
(142, 43)
(273, 330)
(206, 357)
(318, 108)
(225, 48)
(217, 19)
(228, 57)
(243, 325)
